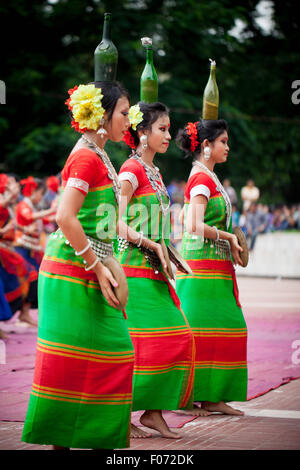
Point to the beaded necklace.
(156, 183)
(220, 188)
(112, 174)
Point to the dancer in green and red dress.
(82, 389)
(18, 276)
(29, 227)
(162, 338)
(210, 297)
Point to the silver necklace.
(112, 174)
(220, 188)
(154, 177)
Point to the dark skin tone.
(197, 207)
(72, 200)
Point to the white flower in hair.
(146, 41)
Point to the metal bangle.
(92, 265)
(217, 233)
(140, 239)
(79, 253)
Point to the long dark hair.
(209, 130)
(111, 91)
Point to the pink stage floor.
(272, 312)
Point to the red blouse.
(84, 170)
(200, 184)
(134, 172)
(23, 214)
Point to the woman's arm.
(131, 235)
(196, 226)
(44, 213)
(66, 218)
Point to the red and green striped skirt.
(164, 346)
(209, 299)
(82, 389)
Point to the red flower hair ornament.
(74, 124)
(129, 140)
(191, 130)
(3, 182)
(53, 183)
(29, 186)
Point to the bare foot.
(221, 407)
(25, 317)
(3, 335)
(153, 419)
(135, 432)
(195, 411)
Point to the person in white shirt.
(249, 194)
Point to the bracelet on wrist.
(92, 265)
(79, 253)
(140, 239)
(217, 233)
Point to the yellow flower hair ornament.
(85, 104)
(135, 116)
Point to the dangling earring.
(207, 152)
(102, 131)
(144, 141)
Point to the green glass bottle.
(211, 95)
(106, 54)
(149, 80)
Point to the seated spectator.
(244, 224)
(296, 216)
(269, 218)
(276, 219)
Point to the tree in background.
(50, 49)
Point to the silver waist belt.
(150, 255)
(222, 248)
(101, 249)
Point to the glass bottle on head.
(149, 80)
(106, 55)
(211, 95)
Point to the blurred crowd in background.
(251, 215)
(248, 213)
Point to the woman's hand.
(31, 229)
(106, 281)
(235, 250)
(156, 247)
